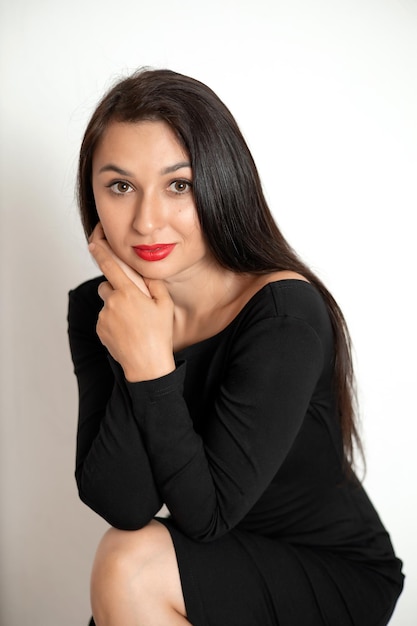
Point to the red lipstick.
(156, 252)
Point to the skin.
(135, 579)
(142, 183)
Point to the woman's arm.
(146, 436)
(137, 446)
(113, 473)
(209, 484)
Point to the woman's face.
(142, 184)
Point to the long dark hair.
(234, 216)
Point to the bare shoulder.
(281, 275)
(256, 282)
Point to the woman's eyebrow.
(114, 168)
(174, 168)
(110, 167)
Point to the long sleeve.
(137, 442)
(113, 473)
(210, 481)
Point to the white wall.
(326, 93)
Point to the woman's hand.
(135, 328)
(98, 236)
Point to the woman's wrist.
(141, 373)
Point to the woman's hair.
(235, 219)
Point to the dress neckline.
(199, 345)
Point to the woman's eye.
(121, 187)
(180, 186)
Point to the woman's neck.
(203, 306)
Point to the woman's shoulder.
(286, 295)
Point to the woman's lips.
(156, 252)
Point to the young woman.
(215, 377)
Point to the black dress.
(242, 443)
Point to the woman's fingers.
(135, 328)
(130, 273)
(104, 290)
(107, 264)
(98, 236)
(159, 291)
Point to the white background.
(326, 93)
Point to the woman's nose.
(148, 215)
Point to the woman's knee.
(140, 563)
(122, 554)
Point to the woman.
(215, 377)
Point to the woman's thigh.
(142, 562)
(244, 579)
